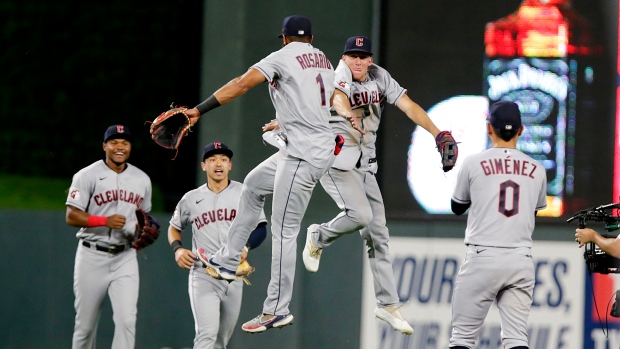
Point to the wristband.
(246, 248)
(97, 221)
(208, 104)
(176, 244)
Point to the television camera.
(598, 261)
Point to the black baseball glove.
(447, 148)
(148, 230)
(169, 128)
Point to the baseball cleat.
(264, 322)
(311, 254)
(391, 315)
(213, 269)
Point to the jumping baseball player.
(102, 201)
(209, 210)
(299, 77)
(362, 89)
(503, 189)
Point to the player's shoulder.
(378, 73)
(95, 167)
(137, 171)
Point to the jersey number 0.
(503, 198)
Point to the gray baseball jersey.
(369, 95)
(215, 304)
(505, 188)
(300, 85)
(98, 190)
(210, 216)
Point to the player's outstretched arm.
(78, 218)
(233, 89)
(610, 246)
(184, 257)
(417, 114)
(341, 104)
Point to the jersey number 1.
(503, 198)
(319, 80)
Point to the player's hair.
(306, 39)
(506, 135)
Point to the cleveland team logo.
(217, 145)
(359, 42)
(120, 128)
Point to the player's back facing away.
(505, 187)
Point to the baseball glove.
(447, 148)
(169, 128)
(148, 230)
(243, 271)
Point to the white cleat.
(311, 254)
(391, 315)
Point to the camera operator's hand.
(610, 246)
(585, 235)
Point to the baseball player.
(503, 189)
(209, 210)
(299, 77)
(102, 201)
(361, 90)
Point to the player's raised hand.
(116, 221)
(193, 115)
(184, 258)
(353, 120)
(272, 125)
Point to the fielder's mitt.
(243, 271)
(169, 128)
(447, 148)
(148, 230)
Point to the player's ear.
(489, 129)
(230, 165)
(370, 60)
(520, 130)
(203, 166)
(311, 38)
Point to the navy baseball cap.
(117, 131)
(360, 44)
(296, 25)
(505, 115)
(216, 148)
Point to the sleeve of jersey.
(343, 78)
(270, 66)
(79, 194)
(542, 197)
(461, 194)
(180, 216)
(148, 196)
(391, 88)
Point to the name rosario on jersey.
(508, 166)
(365, 98)
(222, 214)
(116, 195)
(313, 60)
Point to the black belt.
(113, 249)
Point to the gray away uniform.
(351, 180)
(300, 84)
(215, 304)
(505, 187)
(99, 191)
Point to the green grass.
(40, 193)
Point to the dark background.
(70, 69)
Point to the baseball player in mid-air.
(299, 77)
(503, 189)
(361, 90)
(209, 210)
(102, 201)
